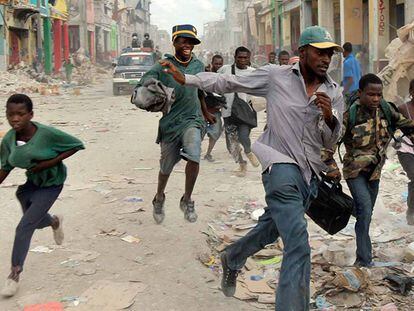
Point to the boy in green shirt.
(40, 150)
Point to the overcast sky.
(168, 13)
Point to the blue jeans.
(288, 196)
(365, 194)
(36, 203)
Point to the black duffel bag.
(241, 111)
(332, 208)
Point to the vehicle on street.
(129, 69)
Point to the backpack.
(352, 108)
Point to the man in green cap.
(304, 115)
(180, 131)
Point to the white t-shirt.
(226, 69)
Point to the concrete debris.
(400, 69)
(27, 80)
(338, 285)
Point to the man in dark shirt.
(214, 104)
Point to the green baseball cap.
(319, 38)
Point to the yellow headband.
(175, 34)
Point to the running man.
(214, 104)
(304, 115)
(180, 131)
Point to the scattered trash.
(133, 199)
(111, 232)
(107, 295)
(130, 239)
(256, 277)
(70, 263)
(143, 168)
(401, 284)
(340, 254)
(322, 304)
(258, 286)
(255, 215)
(50, 306)
(266, 298)
(339, 285)
(75, 300)
(352, 279)
(272, 261)
(41, 249)
(206, 259)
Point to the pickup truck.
(129, 69)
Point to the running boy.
(40, 150)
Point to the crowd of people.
(308, 116)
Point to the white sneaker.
(10, 288)
(58, 234)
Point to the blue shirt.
(352, 69)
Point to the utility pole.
(39, 35)
(47, 28)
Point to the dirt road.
(106, 182)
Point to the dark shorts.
(187, 147)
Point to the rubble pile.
(85, 72)
(336, 284)
(18, 81)
(27, 80)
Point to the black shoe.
(158, 210)
(229, 280)
(189, 210)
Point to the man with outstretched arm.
(304, 114)
(180, 130)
